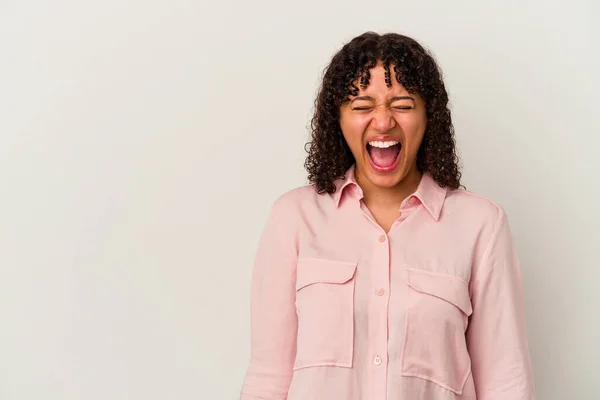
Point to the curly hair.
(329, 156)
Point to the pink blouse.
(433, 310)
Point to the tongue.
(384, 157)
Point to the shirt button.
(377, 360)
(382, 238)
(379, 292)
(412, 201)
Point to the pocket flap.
(446, 287)
(315, 270)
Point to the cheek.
(353, 130)
(413, 131)
(355, 124)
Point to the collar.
(431, 195)
(346, 185)
(429, 192)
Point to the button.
(377, 360)
(382, 238)
(379, 292)
(412, 201)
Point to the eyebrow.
(369, 98)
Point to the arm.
(497, 337)
(273, 315)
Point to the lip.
(382, 139)
(385, 138)
(385, 170)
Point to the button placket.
(378, 310)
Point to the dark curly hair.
(329, 156)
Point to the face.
(384, 127)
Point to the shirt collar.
(431, 195)
(347, 184)
(429, 192)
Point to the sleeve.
(496, 336)
(273, 315)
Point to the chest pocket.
(436, 320)
(325, 307)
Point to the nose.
(383, 119)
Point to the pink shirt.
(433, 310)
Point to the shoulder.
(484, 218)
(473, 205)
(295, 197)
(480, 212)
(290, 211)
(298, 200)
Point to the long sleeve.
(273, 314)
(497, 337)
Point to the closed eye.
(397, 108)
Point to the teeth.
(383, 145)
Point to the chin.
(387, 180)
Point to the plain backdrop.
(142, 144)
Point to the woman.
(383, 279)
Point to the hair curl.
(329, 156)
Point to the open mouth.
(384, 156)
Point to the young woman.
(383, 279)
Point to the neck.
(384, 197)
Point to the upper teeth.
(383, 145)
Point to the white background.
(143, 142)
